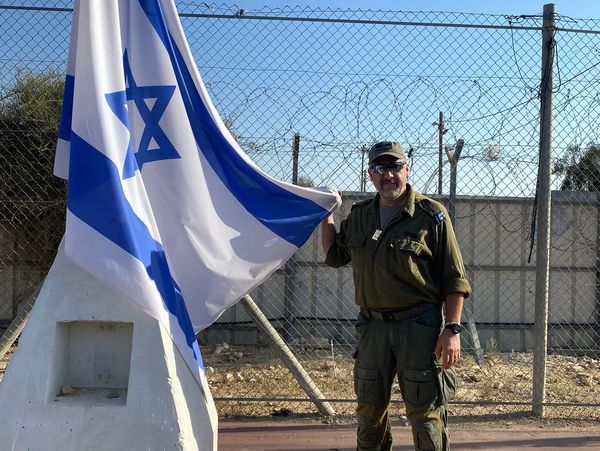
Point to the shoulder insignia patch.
(429, 205)
(433, 208)
(439, 217)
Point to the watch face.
(454, 328)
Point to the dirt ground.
(492, 410)
(281, 420)
(501, 387)
(252, 382)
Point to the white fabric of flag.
(163, 205)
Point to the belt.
(397, 315)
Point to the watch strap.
(454, 327)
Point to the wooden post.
(289, 268)
(453, 157)
(440, 144)
(295, 156)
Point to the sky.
(500, 86)
(581, 9)
(344, 85)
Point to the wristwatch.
(455, 328)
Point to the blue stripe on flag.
(96, 197)
(290, 216)
(64, 131)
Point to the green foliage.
(580, 169)
(305, 181)
(491, 350)
(29, 120)
(248, 145)
(32, 199)
(36, 99)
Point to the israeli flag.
(163, 205)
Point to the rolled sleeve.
(454, 277)
(457, 285)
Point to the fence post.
(289, 268)
(440, 125)
(295, 156)
(287, 356)
(363, 172)
(597, 309)
(542, 255)
(453, 157)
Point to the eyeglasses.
(392, 167)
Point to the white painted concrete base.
(93, 372)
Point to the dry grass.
(502, 386)
(5, 359)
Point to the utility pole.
(440, 125)
(290, 267)
(544, 206)
(295, 156)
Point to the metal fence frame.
(550, 33)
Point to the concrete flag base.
(94, 372)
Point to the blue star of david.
(151, 115)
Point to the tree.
(580, 169)
(305, 181)
(32, 199)
(29, 120)
(247, 145)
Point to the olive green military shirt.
(414, 258)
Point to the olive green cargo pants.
(405, 348)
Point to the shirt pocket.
(411, 260)
(407, 245)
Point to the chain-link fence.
(335, 81)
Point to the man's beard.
(391, 194)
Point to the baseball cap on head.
(386, 148)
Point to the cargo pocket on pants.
(366, 385)
(420, 388)
(448, 384)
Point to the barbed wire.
(343, 82)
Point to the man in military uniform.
(410, 285)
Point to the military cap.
(386, 148)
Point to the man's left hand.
(447, 349)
